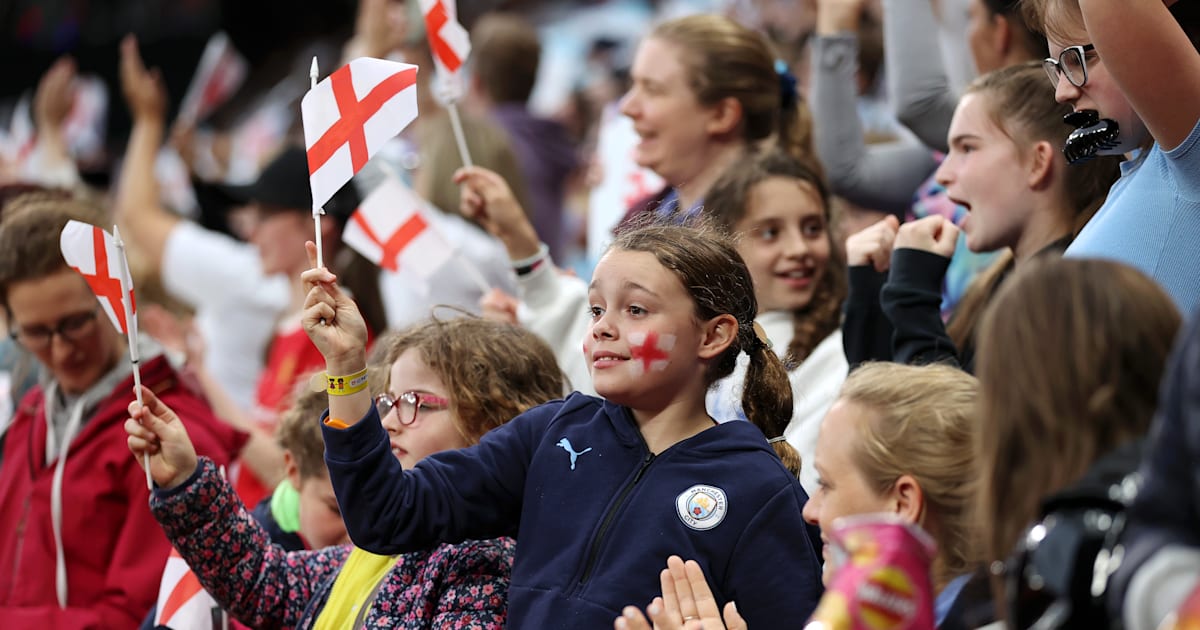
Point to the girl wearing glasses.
(1131, 71)
(448, 383)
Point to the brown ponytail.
(767, 396)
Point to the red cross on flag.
(391, 229)
(221, 71)
(182, 603)
(350, 115)
(94, 254)
(448, 39)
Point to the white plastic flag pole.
(459, 137)
(131, 333)
(316, 211)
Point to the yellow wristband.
(346, 385)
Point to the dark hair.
(718, 282)
(492, 371)
(1031, 40)
(1070, 354)
(726, 204)
(727, 60)
(505, 54)
(29, 237)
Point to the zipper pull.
(645, 465)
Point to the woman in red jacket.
(78, 546)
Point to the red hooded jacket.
(113, 547)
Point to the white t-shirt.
(236, 305)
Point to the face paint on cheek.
(650, 351)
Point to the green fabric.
(285, 507)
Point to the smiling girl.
(779, 209)
(602, 489)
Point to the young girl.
(1004, 166)
(602, 489)
(898, 440)
(448, 383)
(1131, 71)
(779, 209)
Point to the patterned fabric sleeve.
(473, 589)
(258, 582)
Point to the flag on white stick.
(350, 115)
(93, 253)
(448, 39)
(392, 230)
(220, 72)
(182, 603)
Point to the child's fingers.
(669, 598)
(310, 248)
(683, 588)
(139, 431)
(631, 619)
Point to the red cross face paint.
(650, 351)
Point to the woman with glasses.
(77, 545)
(1131, 71)
(448, 383)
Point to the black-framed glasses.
(1072, 62)
(70, 328)
(409, 404)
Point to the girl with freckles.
(598, 491)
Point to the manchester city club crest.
(702, 507)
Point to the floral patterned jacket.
(263, 586)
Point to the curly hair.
(493, 371)
(726, 204)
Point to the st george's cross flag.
(392, 229)
(182, 603)
(93, 253)
(220, 72)
(350, 115)
(448, 39)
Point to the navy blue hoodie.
(595, 513)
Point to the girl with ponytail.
(602, 489)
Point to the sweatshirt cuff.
(918, 269)
(864, 286)
(164, 494)
(356, 441)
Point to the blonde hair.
(924, 425)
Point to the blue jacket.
(597, 514)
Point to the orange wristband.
(334, 423)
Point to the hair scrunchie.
(787, 85)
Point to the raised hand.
(499, 306)
(154, 429)
(935, 234)
(332, 320)
(55, 96)
(687, 604)
(144, 90)
(487, 198)
(873, 245)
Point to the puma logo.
(565, 444)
